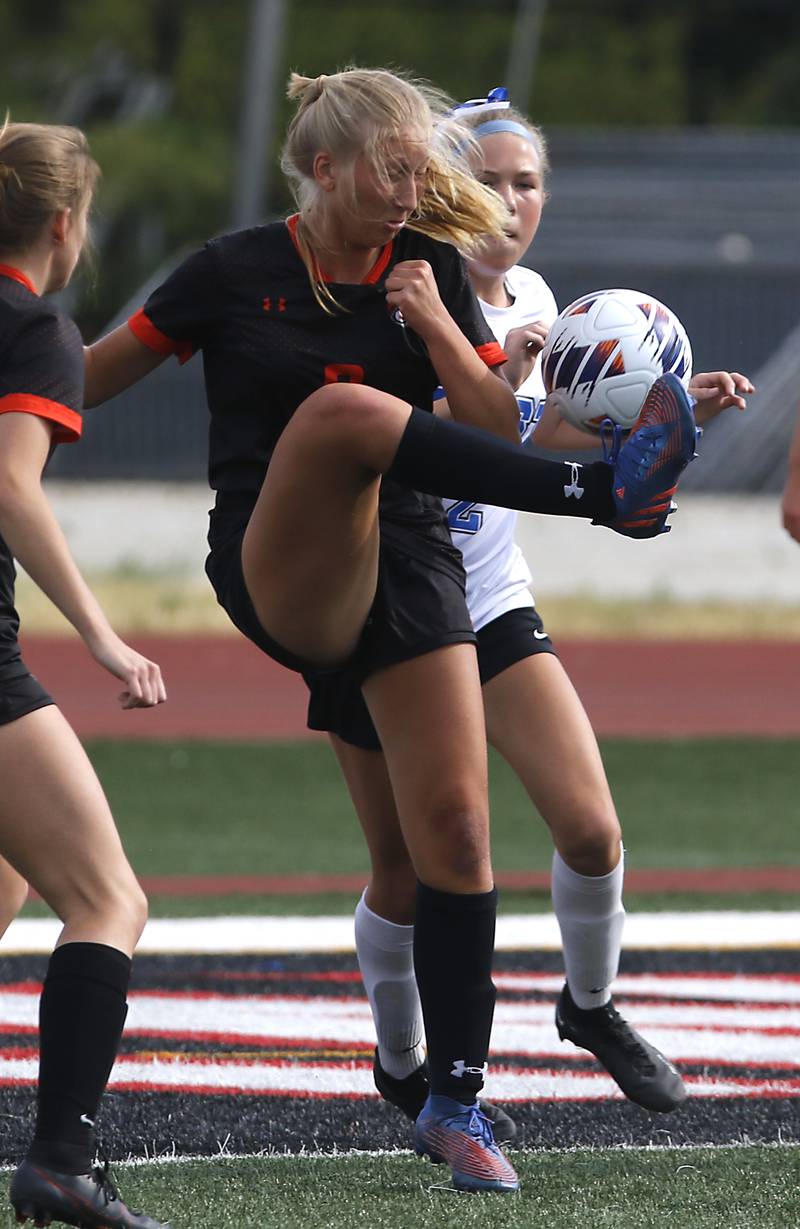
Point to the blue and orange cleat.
(461, 1136)
(661, 444)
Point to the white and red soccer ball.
(604, 352)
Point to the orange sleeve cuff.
(492, 354)
(69, 423)
(146, 332)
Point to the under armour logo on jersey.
(460, 1069)
(279, 303)
(573, 488)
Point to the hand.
(523, 346)
(791, 505)
(412, 288)
(716, 391)
(144, 686)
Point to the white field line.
(711, 1033)
(735, 988)
(703, 931)
(222, 1077)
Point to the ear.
(324, 169)
(61, 226)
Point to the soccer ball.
(604, 352)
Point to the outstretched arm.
(114, 363)
(34, 537)
(713, 391)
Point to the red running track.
(223, 687)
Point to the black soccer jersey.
(41, 372)
(245, 300)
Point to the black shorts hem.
(20, 693)
(510, 638)
(418, 608)
(337, 705)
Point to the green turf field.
(735, 1188)
(227, 809)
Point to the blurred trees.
(157, 84)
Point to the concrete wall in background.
(732, 548)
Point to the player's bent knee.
(591, 846)
(455, 853)
(336, 412)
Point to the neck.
(33, 264)
(491, 287)
(339, 259)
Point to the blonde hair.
(362, 110)
(538, 139)
(43, 169)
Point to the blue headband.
(503, 125)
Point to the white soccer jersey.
(497, 574)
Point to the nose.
(407, 193)
(506, 194)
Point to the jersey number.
(344, 373)
(464, 517)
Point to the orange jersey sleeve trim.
(492, 354)
(69, 423)
(146, 332)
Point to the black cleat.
(640, 1070)
(89, 1201)
(411, 1093)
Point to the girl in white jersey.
(534, 717)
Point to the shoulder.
(412, 245)
(533, 290)
(39, 325)
(244, 243)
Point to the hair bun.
(307, 89)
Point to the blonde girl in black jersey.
(323, 341)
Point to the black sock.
(81, 1015)
(453, 947)
(439, 457)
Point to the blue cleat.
(661, 444)
(461, 1136)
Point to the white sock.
(591, 916)
(386, 958)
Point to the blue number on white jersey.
(530, 411)
(464, 517)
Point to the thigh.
(310, 551)
(56, 828)
(429, 716)
(535, 719)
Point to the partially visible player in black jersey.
(56, 830)
(329, 545)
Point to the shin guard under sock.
(439, 457)
(386, 960)
(591, 917)
(81, 1015)
(453, 947)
